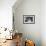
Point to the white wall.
(34, 30)
(43, 22)
(6, 13)
(31, 31)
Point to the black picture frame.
(28, 19)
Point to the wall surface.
(36, 31)
(30, 31)
(6, 16)
(6, 13)
(43, 22)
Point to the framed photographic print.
(28, 19)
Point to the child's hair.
(27, 42)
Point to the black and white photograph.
(29, 19)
